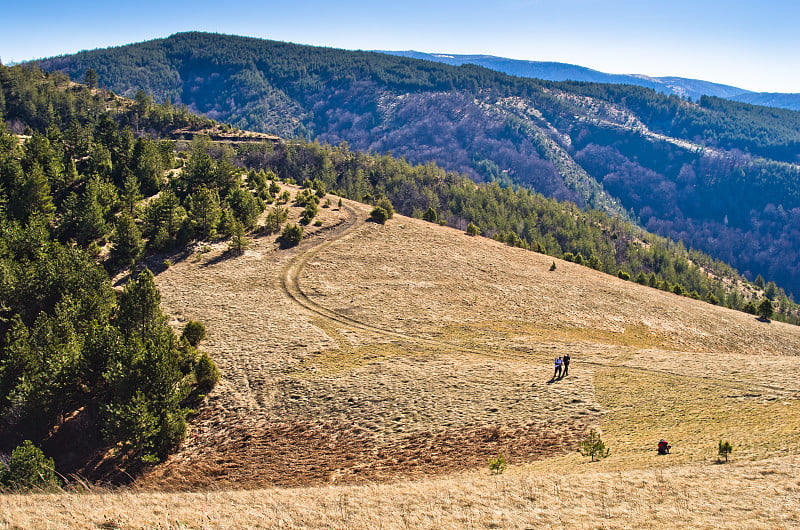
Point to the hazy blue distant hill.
(770, 99)
(719, 175)
(554, 71)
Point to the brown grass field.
(371, 372)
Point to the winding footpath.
(290, 285)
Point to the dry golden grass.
(376, 368)
(740, 494)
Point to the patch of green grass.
(639, 336)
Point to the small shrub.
(306, 197)
(387, 205)
(292, 235)
(593, 446)
(622, 275)
(473, 230)
(318, 223)
(206, 373)
(166, 263)
(430, 215)
(274, 188)
(284, 197)
(379, 215)
(725, 448)
(194, 332)
(497, 464)
(568, 256)
(309, 213)
(28, 468)
(553, 266)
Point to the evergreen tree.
(204, 212)
(239, 242)
(473, 230)
(131, 194)
(770, 291)
(147, 164)
(246, 207)
(430, 215)
(765, 309)
(139, 311)
(127, 241)
(90, 79)
(28, 468)
(31, 196)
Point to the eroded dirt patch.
(295, 453)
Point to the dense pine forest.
(76, 164)
(718, 175)
(83, 367)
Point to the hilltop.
(380, 366)
(718, 175)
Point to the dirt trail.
(669, 363)
(375, 352)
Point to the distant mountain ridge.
(718, 175)
(556, 71)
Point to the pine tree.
(90, 79)
(239, 242)
(765, 309)
(593, 446)
(127, 241)
(204, 212)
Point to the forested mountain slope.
(721, 176)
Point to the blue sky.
(752, 45)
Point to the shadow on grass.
(225, 256)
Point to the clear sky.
(750, 44)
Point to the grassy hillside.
(410, 354)
(718, 175)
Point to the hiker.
(565, 361)
(557, 373)
(663, 447)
